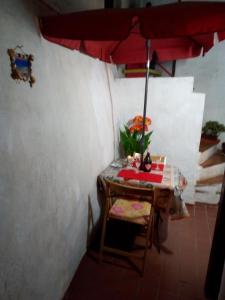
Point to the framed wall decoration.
(21, 65)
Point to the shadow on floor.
(177, 273)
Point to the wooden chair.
(129, 204)
(162, 204)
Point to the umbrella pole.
(145, 102)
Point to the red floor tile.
(212, 210)
(149, 289)
(176, 273)
(187, 289)
(167, 296)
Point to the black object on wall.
(217, 255)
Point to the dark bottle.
(147, 163)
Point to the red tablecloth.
(160, 166)
(143, 176)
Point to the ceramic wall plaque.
(21, 65)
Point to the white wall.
(55, 138)
(176, 114)
(209, 74)
(49, 136)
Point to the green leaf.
(131, 142)
(127, 130)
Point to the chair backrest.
(119, 189)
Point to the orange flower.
(136, 124)
(139, 119)
(148, 121)
(137, 128)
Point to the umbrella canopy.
(176, 31)
(127, 36)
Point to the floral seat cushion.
(131, 210)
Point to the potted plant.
(130, 136)
(212, 129)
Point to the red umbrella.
(173, 31)
(176, 31)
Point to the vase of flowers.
(131, 136)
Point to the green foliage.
(213, 128)
(131, 142)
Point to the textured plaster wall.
(209, 74)
(176, 113)
(55, 138)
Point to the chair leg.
(148, 234)
(152, 230)
(158, 219)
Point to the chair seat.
(131, 210)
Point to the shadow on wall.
(90, 228)
(94, 227)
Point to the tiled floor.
(177, 273)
